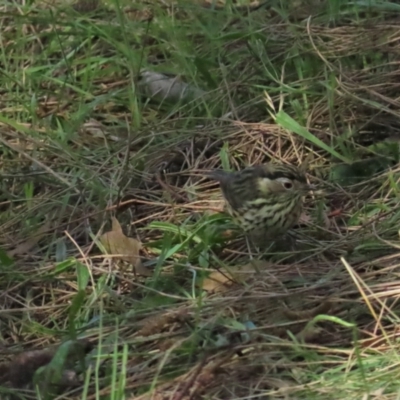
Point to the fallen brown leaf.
(125, 248)
(220, 281)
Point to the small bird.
(264, 200)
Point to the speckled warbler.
(264, 200)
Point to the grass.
(81, 143)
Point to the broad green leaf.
(82, 275)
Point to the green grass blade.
(287, 122)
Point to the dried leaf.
(220, 281)
(217, 282)
(155, 324)
(125, 248)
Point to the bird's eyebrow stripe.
(281, 174)
(284, 174)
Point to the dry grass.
(79, 145)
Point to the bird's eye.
(287, 185)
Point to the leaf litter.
(189, 346)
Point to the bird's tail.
(219, 175)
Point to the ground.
(121, 275)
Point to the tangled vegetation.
(120, 275)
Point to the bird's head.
(280, 179)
